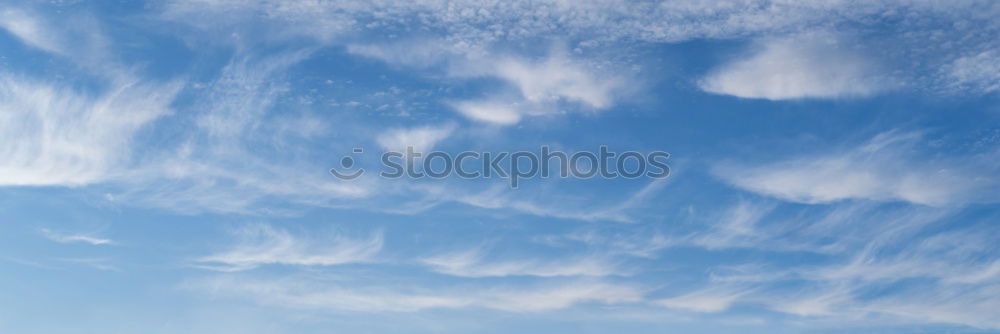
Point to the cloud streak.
(472, 263)
(66, 238)
(879, 170)
(301, 294)
(261, 245)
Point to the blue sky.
(165, 166)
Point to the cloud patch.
(421, 138)
(979, 72)
(542, 87)
(554, 83)
(802, 66)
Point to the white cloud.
(84, 44)
(242, 156)
(95, 263)
(29, 30)
(822, 301)
(58, 134)
(882, 170)
(959, 257)
(54, 135)
(501, 196)
(539, 86)
(264, 245)
(914, 40)
(494, 112)
(470, 22)
(416, 53)
(557, 77)
(708, 300)
(308, 294)
(979, 72)
(543, 87)
(421, 139)
(941, 276)
(802, 66)
(472, 263)
(736, 227)
(972, 306)
(211, 166)
(643, 244)
(66, 238)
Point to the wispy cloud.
(27, 28)
(473, 263)
(978, 72)
(229, 161)
(641, 244)
(972, 305)
(500, 196)
(864, 230)
(308, 294)
(58, 136)
(708, 300)
(415, 53)
(95, 263)
(67, 238)
(788, 68)
(261, 244)
(873, 247)
(542, 87)
(54, 133)
(737, 226)
(535, 86)
(881, 169)
(85, 44)
(490, 111)
(421, 139)
(553, 78)
(66, 136)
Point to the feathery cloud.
(66, 238)
(881, 170)
(53, 135)
(262, 244)
(308, 294)
(472, 263)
